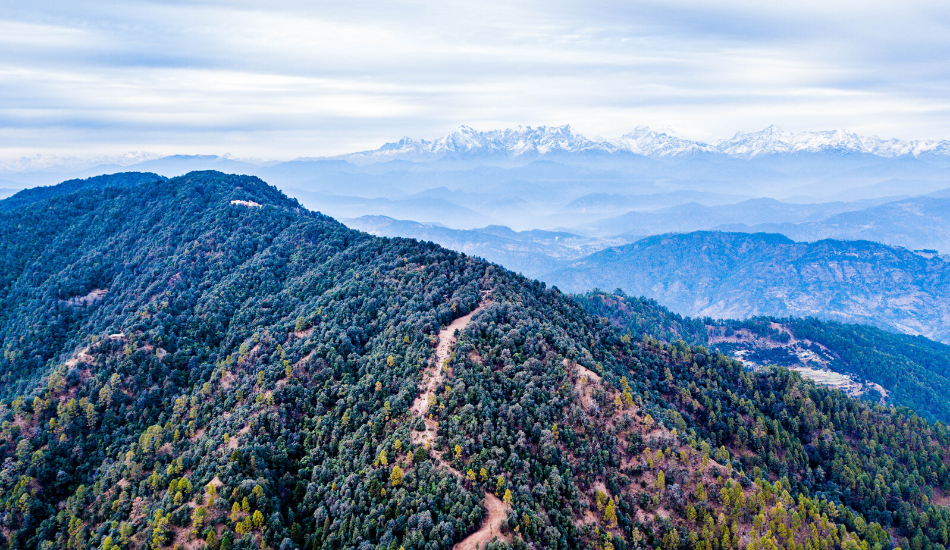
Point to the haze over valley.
(555, 205)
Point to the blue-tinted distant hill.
(916, 223)
(739, 275)
(529, 252)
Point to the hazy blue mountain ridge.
(537, 174)
(740, 275)
(916, 223)
(532, 253)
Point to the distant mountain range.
(546, 142)
(527, 143)
(645, 182)
(692, 216)
(916, 223)
(739, 275)
(532, 253)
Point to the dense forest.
(914, 370)
(201, 362)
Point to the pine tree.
(610, 514)
(258, 519)
(396, 476)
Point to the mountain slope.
(202, 359)
(738, 275)
(898, 369)
(36, 194)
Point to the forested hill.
(36, 194)
(201, 362)
(739, 275)
(913, 371)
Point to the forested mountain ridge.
(36, 194)
(200, 359)
(913, 371)
(739, 275)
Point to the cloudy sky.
(287, 79)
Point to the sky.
(286, 79)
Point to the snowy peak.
(527, 143)
(658, 144)
(466, 142)
(774, 140)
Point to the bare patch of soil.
(491, 527)
(302, 333)
(432, 378)
(585, 382)
(434, 375)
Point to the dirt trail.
(491, 527)
(432, 377)
(586, 379)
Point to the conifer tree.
(610, 514)
(396, 476)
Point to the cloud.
(297, 78)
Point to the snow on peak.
(774, 140)
(657, 144)
(521, 141)
(526, 142)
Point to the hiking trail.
(432, 378)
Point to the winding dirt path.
(432, 377)
(491, 527)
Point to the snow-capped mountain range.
(544, 141)
(527, 143)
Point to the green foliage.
(643, 316)
(201, 318)
(912, 369)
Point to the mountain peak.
(530, 143)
